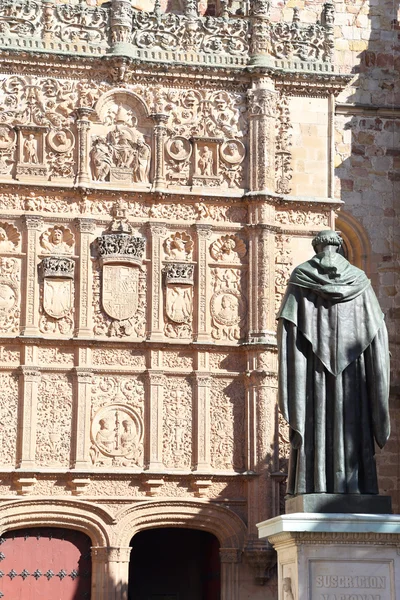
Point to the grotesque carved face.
(56, 236)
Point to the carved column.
(230, 559)
(202, 444)
(118, 573)
(203, 310)
(33, 225)
(155, 381)
(29, 387)
(160, 133)
(99, 572)
(81, 422)
(121, 21)
(260, 32)
(86, 228)
(48, 19)
(158, 232)
(83, 125)
(262, 110)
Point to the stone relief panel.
(10, 282)
(227, 361)
(55, 356)
(10, 354)
(228, 304)
(54, 420)
(61, 156)
(227, 424)
(207, 146)
(283, 155)
(178, 285)
(119, 357)
(8, 418)
(177, 360)
(177, 423)
(8, 147)
(121, 146)
(117, 421)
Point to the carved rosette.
(179, 281)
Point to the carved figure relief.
(206, 167)
(9, 238)
(120, 150)
(179, 246)
(232, 153)
(287, 589)
(7, 149)
(31, 159)
(117, 421)
(10, 269)
(178, 154)
(228, 248)
(61, 156)
(53, 442)
(228, 305)
(57, 240)
(177, 429)
(117, 433)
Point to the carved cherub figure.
(206, 162)
(228, 248)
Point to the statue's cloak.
(333, 377)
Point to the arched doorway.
(174, 564)
(45, 562)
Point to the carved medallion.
(232, 152)
(120, 290)
(228, 309)
(116, 432)
(61, 141)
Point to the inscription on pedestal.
(338, 580)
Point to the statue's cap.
(327, 237)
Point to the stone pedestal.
(336, 556)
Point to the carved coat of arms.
(120, 290)
(57, 297)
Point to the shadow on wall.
(368, 176)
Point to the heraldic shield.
(57, 297)
(120, 290)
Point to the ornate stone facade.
(160, 175)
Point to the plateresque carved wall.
(160, 176)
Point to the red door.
(45, 564)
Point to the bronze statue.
(333, 374)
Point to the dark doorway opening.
(174, 564)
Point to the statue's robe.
(333, 377)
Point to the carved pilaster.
(33, 226)
(160, 134)
(83, 125)
(230, 559)
(81, 423)
(262, 284)
(260, 32)
(202, 443)
(203, 316)
(155, 381)
(158, 232)
(86, 228)
(48, 19)
(110, 567)
(262, 109)
(29, 386)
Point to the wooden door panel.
(45, 564)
